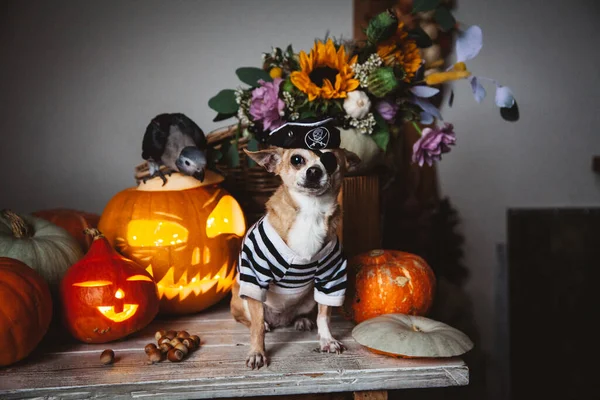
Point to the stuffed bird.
(175, 141)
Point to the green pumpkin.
(45, 247)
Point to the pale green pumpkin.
(404, 335)
(47, 248)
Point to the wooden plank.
(217, 369)
(360, 228)
(373, 395)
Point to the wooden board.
(217, 369)
(360, 228)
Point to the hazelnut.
(183, 348)
(154, 356)
(171, 335)
(159, 334)
(175, 355)
(182, 335)
(149, 347)
(165, 347)
(175, 342)
(196, 339)
(107, 357)
(164, 339)
(189, 343)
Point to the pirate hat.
(311, 135)
(306, 134)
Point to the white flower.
(357, 104)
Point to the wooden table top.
(218, 368)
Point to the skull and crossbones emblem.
(317, 138)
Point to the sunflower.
(399, 50)
(325, 72)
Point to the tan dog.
(293, 249)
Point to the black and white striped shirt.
(267, 263)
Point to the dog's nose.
(314, 173)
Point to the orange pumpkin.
(73, 221)
(25, 310)
(388, 282)
(186, 234)
(105, 296)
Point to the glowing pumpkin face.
(187, 235)
(121, 310)
(106, 296)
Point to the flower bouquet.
(370, 87)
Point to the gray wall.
(79, 81)
(546, 51)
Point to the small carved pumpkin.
(25, 310)
(105, 296)
(41, 245)
(186, 234)
(411, 336)
(73, 221)
(387, 282)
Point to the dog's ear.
(268, 158)
(352, 160)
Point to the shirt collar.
(290, 255)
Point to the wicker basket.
(250, 185)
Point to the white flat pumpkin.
(411, 336)
(47, 248)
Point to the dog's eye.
(297, 160)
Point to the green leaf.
(420, 37)
(252, 146)
(424, 5)
(444, 17)
(290, 51)
(224, 102)
(230, 154)
(251, 75)
(382, 138)
(308, 114)
(223, 117)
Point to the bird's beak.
(199, 175)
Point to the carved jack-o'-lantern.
(105, 296)
(186, 234)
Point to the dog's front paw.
(331, 346)
(256, 359)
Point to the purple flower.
(387, 110)
(266, 106)
(432, 144)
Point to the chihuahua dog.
(291, 266)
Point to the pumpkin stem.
(93, 232)
(20, 228)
